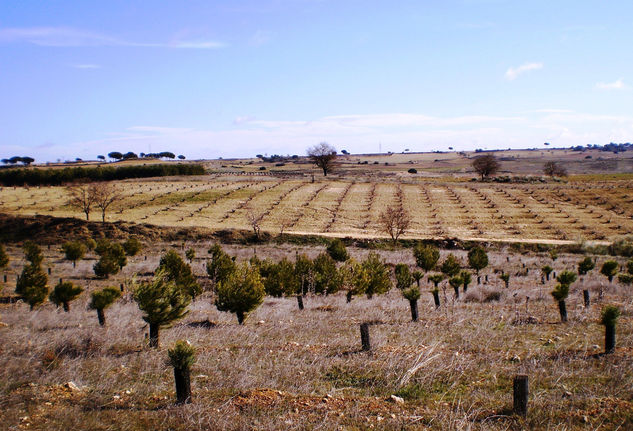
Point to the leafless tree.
(486, 165)
(323, 155)
(105, 194)
(255, 221)
(395, 221)
(553, 169)
(82, 197)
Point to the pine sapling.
(609, 318)
(64, 293)
(412, 294)
(182, 357)
(102, 299)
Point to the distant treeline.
(54, 177)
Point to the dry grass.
(291, 369)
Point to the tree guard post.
(520, 395)
(585, 296)
(364, 336)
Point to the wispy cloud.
(513, 72)
(86, 66)
(616, 85)
(72, 37)
(260, 38)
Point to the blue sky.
(235, 78)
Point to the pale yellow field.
(573, 211)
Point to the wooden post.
(5, 278)
(414, 310)
(300, 302)
(585, 296)
(364, 336)
(49, 271)
(520, 395)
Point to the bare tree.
(323, 155)
(82, 197)
(255, 221)
(486, 165)
(553, 169)
(395, 221)
(105, 194)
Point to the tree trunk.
(520, 389)
(436, 298)
(66, 306)
(370, 295)
(101, 317)
(300, 302)
(585, 296)
(414, 309)
(103, 215)
(562, 309)
(182, 376)
(153, 335)
(609, 338)
(349, 296)
(87, 215)
(456, 289)
(74, 263)
(465, 288)
(240, 317)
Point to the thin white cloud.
(513, 72)
(86, 66)
(616, 85)
(260, 38)
(71, 37)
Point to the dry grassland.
(291, 369)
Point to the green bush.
(31, 285)
(609, 269)
(64, 293)
(102, 299)
(450, 266)
(327, 279)
(241, 292)
(132, 246)
(403, 276)
(426, 256)
(178, 271)
(585, 265)
(74, 251)
(337, 250)
(377, 273)
(162, 302)
(220, 266)
(477, 259)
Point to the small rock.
(396, 399)
(72, 386)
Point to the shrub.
(112, 259)
(450, 266)
(377, 273)
(304, 273)
(91, 244)
(132, 246)
(337, 250)
(477, 258)
(426, 256)
(220, 266)
(585, 265)
(74, 251)
(162, 301)
(609, 269)
(31, 284)
(105, 267)
(489, 295)
(609, 315)
(629, 266)
(625, 278)
(547, 270)
(279, 278)
(102, 299)
(327, 279)
(190, 254)
(64, 293)
(179, 272)
(403, 276)
(506, 279)
(622, 247)
(241, 292)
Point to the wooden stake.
(520, 395)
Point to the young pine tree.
(403, 276)
(102, 299)
(241, 292)
(609, 318)
(585, 265)
(426, 256)
(561, 291)
(31, 285)
(477, 259)
(74, 251)
(221, 265)
(337, 250)
(180, 273)
(609, 269)
(377, 272)
(182, 356)
(162, 302)
(64, 293)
